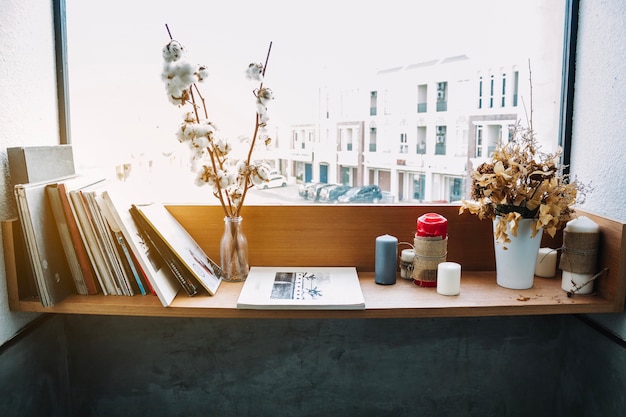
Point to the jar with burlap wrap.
(431, 248)
(430, 251)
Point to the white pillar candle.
(571, 280)
(546, 263)
(448, 278)
(582, 224)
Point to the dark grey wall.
(186, 367)
(128, 366)
(33, 372)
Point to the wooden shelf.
(480, 296)
(322, 235)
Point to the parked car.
(302, 189)
(313, 192)
(274, 182)
(364, 194)
(332, 193)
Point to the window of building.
(421, 140)
(456, 189)
(440, 145)
(404, 145)
(422, 98)
(503, 100)
(479, 141)
(419, 186)
(492, 84)
(348, 133)
(373, 103)
(442, 96)
(373, 133)
(480, 93)
(515, 87)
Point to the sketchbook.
(321, 288)
(179, 250)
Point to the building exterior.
(416, 130)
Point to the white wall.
(28, 114)
(599, 131)
(28, 106)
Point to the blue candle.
(386, 260)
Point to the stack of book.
(83, 235)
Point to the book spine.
(90, 241)
(155, 274)
(89, 275)
(66, 240)
(128, 261)
(104, 242)
(31, 247)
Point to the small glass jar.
(406, 263)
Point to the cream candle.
(579, 283)
(582, 224)
(580, 241)
(546, 263)
(449, 278)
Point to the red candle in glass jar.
(432, 225)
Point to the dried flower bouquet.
(520, 182)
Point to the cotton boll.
(265, 95)
(173, 51)
(180, 133)
(241, 167)
(222, 146)
(169, 71)
(203, 73)
(255, 72)
(261, 110)
(263, 171)
(184, 74)
(226, 179)
(204, 129)
(201, 142)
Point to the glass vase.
(234, 251)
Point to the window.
(442, 96)
(373, 103)
(421, 140)
(372, 147)
(321, 79)
(419, 186)
(440, 145)
(515, 87)
(404, 146)
(422, 97)
(479, 141)
(503, 102)
(491, 90)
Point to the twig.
(577, 288)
